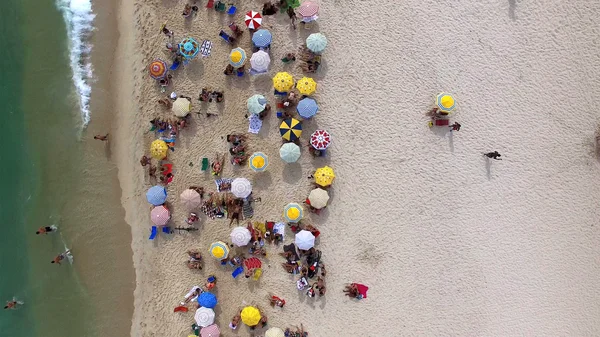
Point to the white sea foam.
(79, 19)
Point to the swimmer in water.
(61, 257)
(13, 304)
(46, 229)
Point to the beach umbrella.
(256, 104)
(160, 215)
(318, 198)
(190, 199)
(237, 57)
(292, 212)
(181, 107)
(240, 236)
(283, 82)
(189, 48)
(158, 149)
(305, 240)
(289, 152)
(250, 316)
(210, 331)
(253, 20)
(207, 300)
(241, 187)
(274, 332)
(258, 162)
(260, 61)
(307, 107)
(157, 195)
(316, 42)
(290, 129)
(445, 102)
(158, 69)
(262, 38)
(308, 9)
(320, 139)
(252, 263)
(219, 250)
(324, 176)
(204, 317)
(306, 85)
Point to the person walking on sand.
(46, 229)
(455, 126)
(292, 16)
(102, 138)
(493, 155)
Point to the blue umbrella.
(207, 300)
(156, 195)
(307, 107)
(262, 38)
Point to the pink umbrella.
(160, 215)
(320, 139)
(253, 20)
(308, 9)
(210, 331)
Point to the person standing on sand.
(102, 138)
(493, 155)
(46, 229)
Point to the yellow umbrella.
(292, 212)
(251, 316)
(258, 162)
(324, 176)
(445, 102)
(219, 250)
(283, 82)
(158, 149)
(181, 107)
(306, 86)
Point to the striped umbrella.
(260, 61)
(308, 9)
(253, 20)
(181, 107)
(318, 198)
(160, 215)
(304, 240)
(210, 331)
(190, 199)
(292, 212)
(240, 236)
(258, 162)
(252, 263)
(219, 250)
(256, 104)
(289, 152)
(320, 139)
(283, 82)
(262, 38)
(324, 176)
(316, 42)
(274, 332)
(158, 149)
(241, 187)
(290, 129)
(158, 69)
(306, 86)
(307, 108)
(189, 48)
(156, 195)
(237, 57)
(204, 317)
(445, 102)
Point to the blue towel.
(237, 271)
(153, 233)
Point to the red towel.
(180, 309)
(362, 289)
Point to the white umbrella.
(305, 240)
(260, 61)
(318, 198)
(241, 187)
(289, 152)
(240, 236)
(204, 316)
(190, 199)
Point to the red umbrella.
(308, 9)
(252, 263)
(320, 139)
(253, 20)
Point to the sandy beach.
(449, 242)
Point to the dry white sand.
(449, 243)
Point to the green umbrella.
(289, 152)
(289, 3)
(316, 42)
(256, 104)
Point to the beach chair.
(237, 271)
(175, 65)
(205, 164)
(240, 73)
(153, 233)
(225, 37)
(232, 10)
(210, 4)
(220, 7)
(166, 229)
(257, 274)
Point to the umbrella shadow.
(512, 6)
(264, 130)
(488, 168)
(263, 179)
(262, 84)
(322, 217)
(322, 71)
(292, 173)
(108, 149)
(194, 69)
(240, 82)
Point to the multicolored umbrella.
(306, 86)
(181, 107)
(210, 331)
(190, 199)
(204, 317)
(241, 187)
(320, 139)
(445, 102)
(324, 176)
(160, 215)
(258, 162)
(308, 9)
(156, 195)
(158, 69)
(240, 236)
(318, 198)
(158, 149)
(290, 129)
(251, 316)
(219, 250)
(207, 300)
(256, 104)
(274, 332)
(253, 20)
(289, 152)
(260, 61)
(307, 108)
(292, 212)
(237, 57)
(316, 42)
(262, 38)
(189, 48)
(283, 82)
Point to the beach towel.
(279, 228)
(247, 210)
(254, 124)
(205, 48)
(362, 289)
(220, 181)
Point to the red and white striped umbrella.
(160, 215)
(308, 9)
(210, 331)
(320, 139)
(253, 20)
